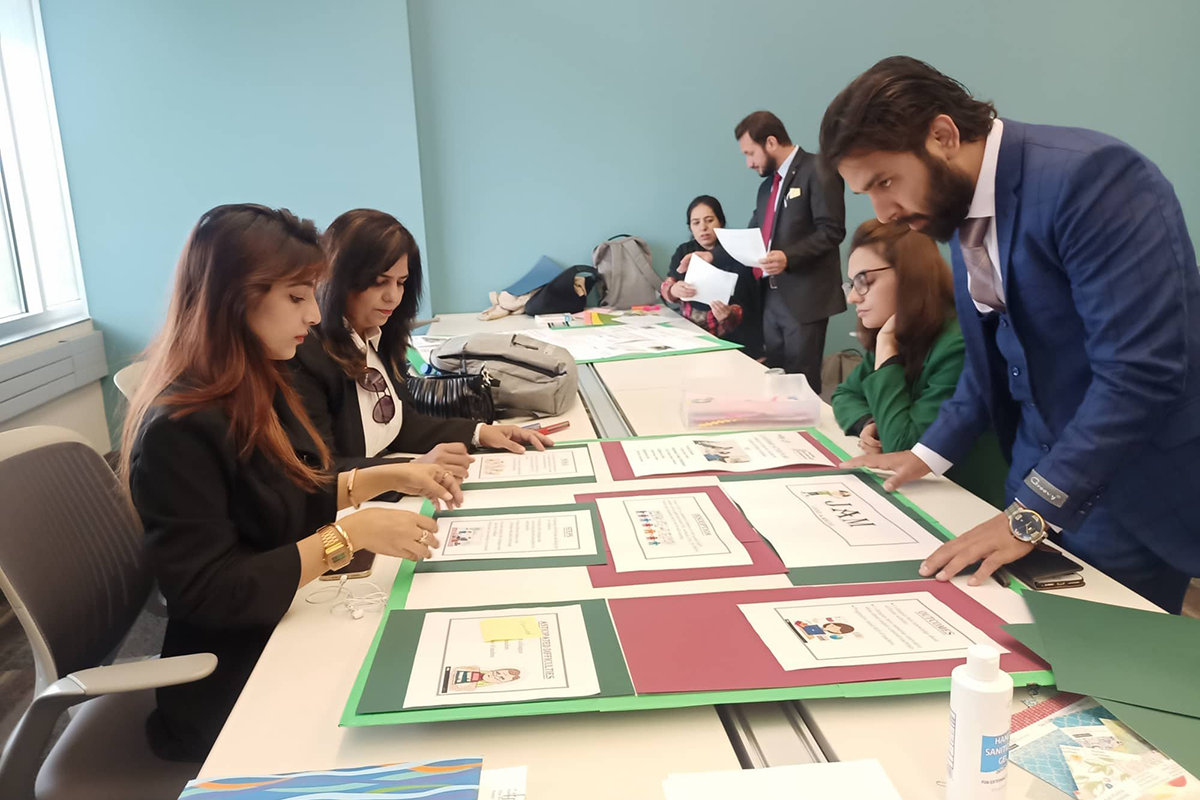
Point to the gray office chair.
(74, 570)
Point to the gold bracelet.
(350, 489)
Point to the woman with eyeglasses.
(351, 375)
(904, 294)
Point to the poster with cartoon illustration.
(830, 519)
(555, 463)
(736, 452)
(876, 629)
(501, 656)
(668, 531)
(497, 534)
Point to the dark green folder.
(538, 562)
(387, 681)
(1177, 735)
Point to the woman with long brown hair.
(904, 294)
(227, 472)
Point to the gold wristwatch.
(338, 550)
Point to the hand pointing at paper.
(773, 262)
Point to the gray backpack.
(624, 264)
(533, 375)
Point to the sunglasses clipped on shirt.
(385, 406)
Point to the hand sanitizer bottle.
(980, 720)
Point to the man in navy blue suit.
(1078, 293)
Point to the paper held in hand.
(711, 284)
(744, 244)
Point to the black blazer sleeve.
(419, 432)
(331, 400)
(827, 202)
(209, 574)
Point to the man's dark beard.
(948, 199)
(769, 166)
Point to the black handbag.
(559, 295)
(454, 395)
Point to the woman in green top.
(904, 294)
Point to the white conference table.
(286, 718)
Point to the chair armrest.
(134, 676)
(22, 753)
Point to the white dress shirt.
(782, 171)
(983, 204)
(377, 436)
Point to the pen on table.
(553, 428)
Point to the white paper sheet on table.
(503, 784)
(455, 665)
(613, 341)
(711, 284)
(738, 452)
(555, 462)
(537, 535)
(835, 780)
(668, 531)
(744, 244)
(830, 519)
(871, 629)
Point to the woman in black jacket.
(351, 375)
(230, 479)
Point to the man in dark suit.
(803, 220)
(1078, 294)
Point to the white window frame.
(21, 35)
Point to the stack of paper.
(836, 780)
(1141, 665)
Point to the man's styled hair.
(890, 106)
(760, 125)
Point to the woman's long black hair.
(361, 245)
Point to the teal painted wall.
(544, 126)
(547, 126)
(169, 108)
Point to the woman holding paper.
(231, 481)
(904, 294)
(740, 318)
(351, 374)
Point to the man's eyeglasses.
(859, 282)
(385, 406)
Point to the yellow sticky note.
(502, 629)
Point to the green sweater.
(903, 412)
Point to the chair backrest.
(128, 378)
(72, 562)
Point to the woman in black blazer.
(351, 376)
(230, 479)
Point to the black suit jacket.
(808, 228)
(331, 399)
(221, 532)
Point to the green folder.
(1176, 735)
(857, 573)
(536, 562)
(511, 484)
(1144, 658)
(387, 681)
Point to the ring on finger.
(424, 537)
